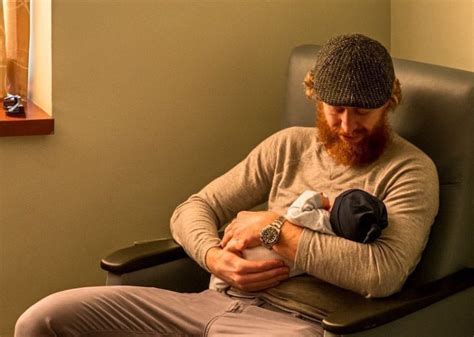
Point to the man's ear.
(308, 83)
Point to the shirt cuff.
(203, 253)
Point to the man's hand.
(244, 231)
(244, 274)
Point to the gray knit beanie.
(353, 70)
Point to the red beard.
(358, 154)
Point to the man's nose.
(348, 121)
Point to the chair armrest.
(142, 255)
(369, 313)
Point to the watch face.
(270, 235)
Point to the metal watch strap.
(278, 222)
(270, 234)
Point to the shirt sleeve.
(380, 268)
(195, 222)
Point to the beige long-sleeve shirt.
(293, 160)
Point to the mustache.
(355, 133)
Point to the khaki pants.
(119, 311)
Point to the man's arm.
(244, 232)
(288, 243)
(195, 222)
(410, 193)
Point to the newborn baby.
(356, 215)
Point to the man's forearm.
(193, 227)
(288, 243)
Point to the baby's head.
(358, 216)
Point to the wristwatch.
(270, 234)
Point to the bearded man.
(354, 89)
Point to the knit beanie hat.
(353, 70)
(358, 216)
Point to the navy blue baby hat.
(358, 216)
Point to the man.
(354, 88)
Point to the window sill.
(34, 122)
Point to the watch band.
(270, 234)
(278, 222)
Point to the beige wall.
(152, 99)
(434, 31)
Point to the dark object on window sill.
(13, 105)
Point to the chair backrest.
(436, 115)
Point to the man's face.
(353, 136)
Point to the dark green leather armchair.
(437, 115)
